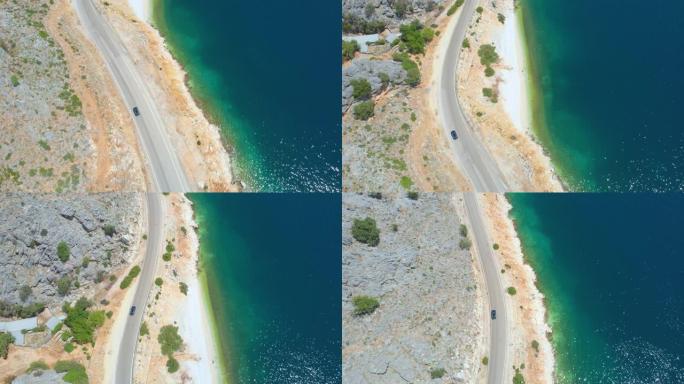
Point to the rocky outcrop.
(40, 377)
(393, 12)
(426, 285)
(370, 70)
(99, 231)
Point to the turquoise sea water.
(272, 268)
(612, 269)
(269, 74)
(608, 81)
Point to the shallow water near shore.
(272, 269)
(608, 91)
(269, 75)
(611, 268)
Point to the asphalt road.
(126, 354)
(498, 343)
(164, 168)
(476, 162)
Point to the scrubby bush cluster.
(83, 322)
(170, 342)
(349, 48)
(366, 231)
(364, 305)
(355, 24)
(410, 66)
(415, 36)
(132, 274)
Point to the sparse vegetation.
(144, 330)
(15, 80)
(169, 340)
(5, 340)
(465, 243)
(437, 373)
(20, 311)
(183, 288)
(64, 285)
(24, 292)
(349, 49)
(535, 345)
(463, 230)
(75, 372)
(491, 94)
(412, 195)
(38, 365)
(454, 7)
(355, 24)
(415, 36)
(364, 305)
(518, 378)
(366, 231)
(361, 89)
(465, 43)
(364, 110)
(501, 18)
(488, 55)
(109, 230)
(63, 251)
(132, 274)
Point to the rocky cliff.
(57, 248)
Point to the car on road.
(136, 111)
(454, 135)
(493, 314)
(132, 310)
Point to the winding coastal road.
(126, 353)
(165, 171)
(473, 158)
(498, 346)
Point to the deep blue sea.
(612, 269)
(268, 72)
(272, 266)
(609, 91)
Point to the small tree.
(361, 89)
(172, 365)
(366, 231)
(364, 305)
(63, 251)
(169, 340)
(511, 291)
(64, 285)
(364, 110)
(349, 48)
(488, 55)
(158, 281)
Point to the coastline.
(529, 312)
(198, 141)
(506, 127)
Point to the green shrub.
(485, 360)
(158, 281)
(495, 246)
(20, 311)
(132, 274)
(68, 347)
(38, 365)
(465, 43)
(364, 110)
(355, 24)
(463, 230)
(454, 7)
(437, 373)
(479, 10)
(349, 48)
(166, 256)
(57, 328)
(488, 55)
(15, 80)
(364, 305)
(144, 330)
(75, 372)
(412, 195)
(365, 231)
(501, 18)
(535, 345)
(169, 340)
(5, 340)
(511, 291)
(411, 68)
(83, 322)
(518, 378)
(415, 36)
(465, 243)
(172, 365)
(64, 285)
(384, 79)
(361, 89)
(489, 71)
(109, 230)
(63, 251)
(183, 288)
(400, 8)
(406, 182)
